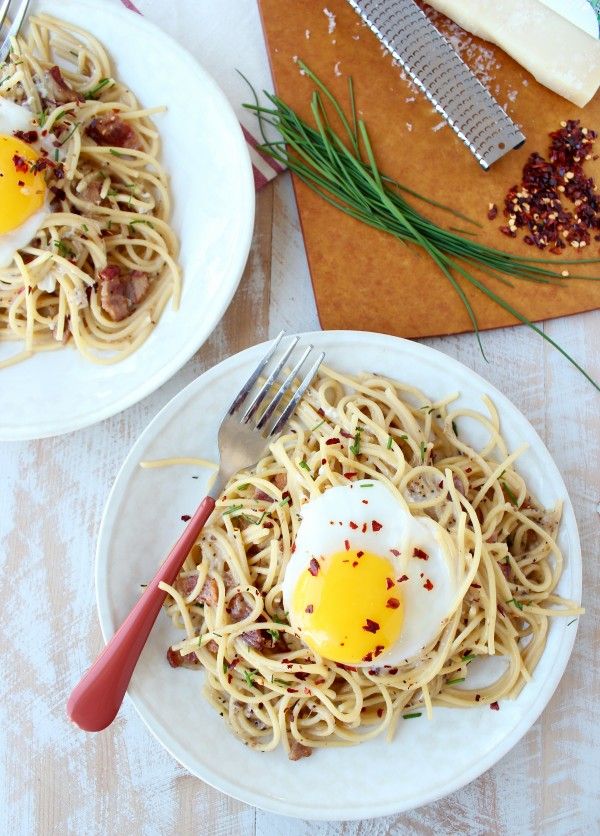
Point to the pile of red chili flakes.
(537, 205)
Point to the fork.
(15, 26)
(249, 426)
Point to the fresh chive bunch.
(344, 172)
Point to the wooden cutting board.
(364, 279)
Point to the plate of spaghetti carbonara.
(126, 215)
(399, 574)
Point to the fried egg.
(23, 198)
(367, 583)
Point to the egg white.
(14, 117)
(325, 526)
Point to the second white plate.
(210, 172)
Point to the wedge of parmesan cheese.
(560, 55)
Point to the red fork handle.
(95, 702)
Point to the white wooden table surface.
(55, 779)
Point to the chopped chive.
(41, 118)
(244, 486)
(469, 657)
(455, 681)
(56, 155)
(403, 438)
(147, 223)
(249, 677)
(355, 448)
(284, 501)
(274, 634)
(316, 427)
(116, 153)
(573, 620)
(63, 250)
(410, 716)
(422, 450)
(225, 666)
(304, 465)
(70, 134)
(85, 227)
(454, 428)
(517, 604)
(91, 94)
(367, 485)
(509, 493)
(390, 442)
(281, 682)
(232, 509)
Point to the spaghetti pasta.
(103, 263)
(273, 689)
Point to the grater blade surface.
(437, 69)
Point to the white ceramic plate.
(206, 156)
(141, 521)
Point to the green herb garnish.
(390, 442)
(281, 682)
(454, 428)
(249, 677)
(422, 450)
(232, 510)
(455, 681)
(285, 501)
(63, 250)
(93, 93)
(85, 227)
(141, 221)
(274, 634)
(355, 448)
(573, 620)
(517, 604)
(509, 493)
(304, 465)
(410, 716)
(341, 168)
(70, 134)
(316, 427)
(116, 153)
(469, 657)
(244, 486)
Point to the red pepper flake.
(350, 475)
(314, 567)
(20, 163)
(376, 526)
(319, 681)
(500, 609)
(345, 434)
(468, 470)
(389, 583)
(323, 461)
(368, 657)
(350, 668)
(402, 578)
(476, 585)
(492, 212)
(20, 183)
(380, 712)
(392, 671)
(332, 441)
(365, 501)
(353, 525)
(428, 585)
(395, 552)
(235, 661)
(393, 603)
(359, 554)
(354, 564)
(379, 648)
(293, 548)
(185, 517)
(370, 626)
(302, 675)
(292, 690)
(229, 678)
(364, 528)
(477, 697)
(494, 706)
(309, 609)
(506, 570)
(347, 545)
(420, 554)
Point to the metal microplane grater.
(435, 67)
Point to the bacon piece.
(58, 88)
(299, 750)
(280, 480)
(92, 192)
(176, 660)
(262, 496)
(255, 638)
(120, 294)
(213, 648)
(239, 609)
(114, 131)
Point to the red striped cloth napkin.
(224, 37)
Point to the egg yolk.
(349, 606)
(22, 192)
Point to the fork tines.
(270, 422)
(19, 10)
